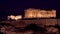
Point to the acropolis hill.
(22, 23)
(18, 21)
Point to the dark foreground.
(30, 29)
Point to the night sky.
(16, 7)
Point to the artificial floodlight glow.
(15, 17)
(36, 13)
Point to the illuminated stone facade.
(37, 13)
(15, 17)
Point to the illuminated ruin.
(37, 13)
(15, 17)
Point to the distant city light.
(15, 17)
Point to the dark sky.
(15, 7)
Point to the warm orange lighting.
(12, 17)
(36, 13)
(15, 17)
(18, 17)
